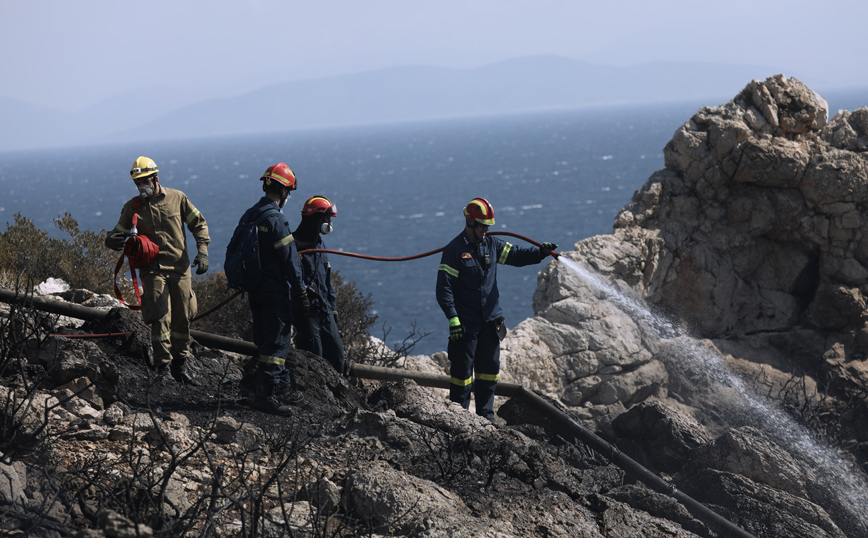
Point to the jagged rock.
(324, 494)
(760, 509)
(67, 360)
(295, 516)
(123, 320)
(661, 437)
(115, 525)
(396, 502)
(658, 505)
(11, 486)
(747, 452)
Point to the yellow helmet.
(143, 167)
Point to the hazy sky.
(69, 55)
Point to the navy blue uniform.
(319, 332)
(467, 288)
(271, 303)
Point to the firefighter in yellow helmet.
(168, 302)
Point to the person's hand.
(546, 249)
(335, 315)
(456, 331)
(305, 302)
(115, 240)
(201, 263)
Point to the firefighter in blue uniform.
(318, 331)
(272, 385)
(467, 293)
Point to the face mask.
(146, 191)
(326, 228)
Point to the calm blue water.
(400, 189)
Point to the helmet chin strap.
(284, 198)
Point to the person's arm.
(287, 252)
(116, 237)
(447, 277)
(517, 256)
(196, 224)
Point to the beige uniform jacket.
(161, 219)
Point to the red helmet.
(281, 173)
(480, 210)
(319, 204)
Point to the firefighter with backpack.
(269, 270)
(155, 219)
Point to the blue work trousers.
(479, 352)
(272, 334)
(318, 333)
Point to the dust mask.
(146, 191)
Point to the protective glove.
(115, 240)
(456, 331)
(335, 315)
(201, 260)
(546, 249)
(305, 302)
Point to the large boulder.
(750, 239)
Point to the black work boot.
(181, 372)
(266, 400)
(162, 374)
(288, 395)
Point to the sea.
(557, 175)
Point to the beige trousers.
(168, 305)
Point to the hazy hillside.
(386, 95)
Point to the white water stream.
(846, 485)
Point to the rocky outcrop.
(731, 288)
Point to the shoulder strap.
(137, 203)
(265, 214)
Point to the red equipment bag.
(140, 251)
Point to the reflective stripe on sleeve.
(283, 242)
(504, 253)
(193, 214)
(448, 270)
(120, 228)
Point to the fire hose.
(415, 256)
(375, 258)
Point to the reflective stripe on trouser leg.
(487, 366)
(272, 331)
(168, 305)
(461, 367)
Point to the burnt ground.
(327, 394)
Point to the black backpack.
(243, 266)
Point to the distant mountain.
(385, 95)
